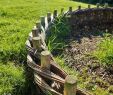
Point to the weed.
(58, 32)
(104, 51)
(16, 20)
(12, 79)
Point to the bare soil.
(78, 55)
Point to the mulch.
(77, 55)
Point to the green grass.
(17, 17)
(59, 30)
(12, 80)
(84, 81)
(104, 52)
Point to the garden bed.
(83, 39)
(80, 57)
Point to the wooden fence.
(47, 74)
(91, 19)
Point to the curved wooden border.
(40, 30)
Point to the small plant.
(104, 51)
(57, 34)
(61, 62)
(53, 44)
(12, 79)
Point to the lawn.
(17, 17)
(102, 57)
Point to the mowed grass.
(12, 80)
(17, 17)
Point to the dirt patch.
(77, 55)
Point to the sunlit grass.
(104, 52)
(12, 79)
(17, 17)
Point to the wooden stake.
(62, 10)
(45, 60)
(49, 17)
(34, 32)
(89, 6)
(70, 9)
(36, 43)
(79, 7)
(106, 5)
(43, 21)
(98, 5)
(55, 14)
(70, 86)
(38, 25)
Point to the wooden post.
(79, 7)
(45, 60)
(49, 17)
(36, 43)
(62, 10)
(55, 14)
(43, 21)
(38, 25)
(98, 5)
(70, 86)
(89, 6)
(34, 32)
(70, 9)
(106, 5)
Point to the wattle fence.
(45, 71)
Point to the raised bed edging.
(87, 20)
(80, 17)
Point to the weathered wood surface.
(43, 85)
(45, 60)
(51, 76)
(70, 86)
(39, 71)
